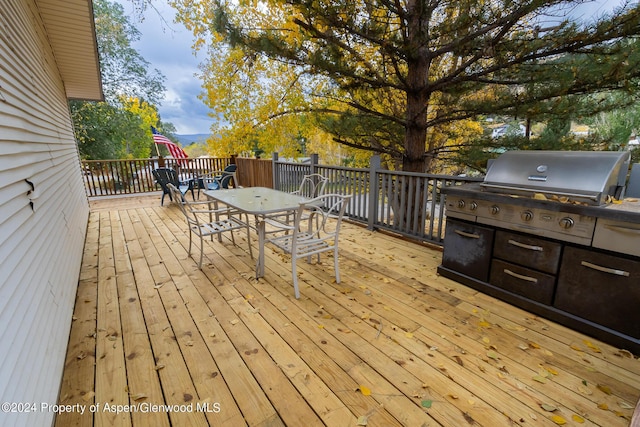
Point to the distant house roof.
(71, 32)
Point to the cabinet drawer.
(467, 249)
(617, 236)
(602, 288)
(529, 251)
(523, 281)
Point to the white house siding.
(40, 246)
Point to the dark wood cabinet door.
(602, 288)
(467, 249)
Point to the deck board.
(393, 344)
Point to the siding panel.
(40, 248)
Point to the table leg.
(261, 241)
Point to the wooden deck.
(155, 341)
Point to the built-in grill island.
(551, 232)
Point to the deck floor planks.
(142, 377)
(329, 337)
(177, 385)
(110, 374)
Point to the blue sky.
(167, 46)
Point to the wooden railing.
(112, 177)
(410, 204)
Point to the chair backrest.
(228, 175)
(164, 176)
(322, 216)
(185, 206)
(312, 185)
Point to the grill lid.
(582, 176)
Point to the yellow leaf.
(321, 326)
(551, 370)
(534, 345)
(577, 418)
(486, 340)
(575, 347)
(408, 334)
(540, 379)
(603, 388)
(603, 406)
(362, 421)
(593, 347)
(558, 420)
(364, 390)
(484, 324)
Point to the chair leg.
(294, 272)
(201, 252)
(335, 264)
(162, 200)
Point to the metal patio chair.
(320, 235)
(204, 221)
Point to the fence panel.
(113, 177)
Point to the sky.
(167, 47)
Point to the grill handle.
(525, 246)
(622, 229)
(605, 269)
(465, 234)
(520, 276)
(593, 197)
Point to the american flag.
(176, 151)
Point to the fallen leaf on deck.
(625, 405)
(585, 390)
(551, 370)
(364, 390)
(577, 418)
(426, 403)
(159, 366)
(603, 406)
(486, 340)
(138, 396)
(558, 420)
(408, 334)
(547, 407)
(492, 354)
(575, 347)
(523, 346)
(540, 379)
(484, 324)
(234, 321)
(459, 360)
(593, 347)
(534, 345)
(362, 421)
(604, 388)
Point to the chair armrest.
(277, 224)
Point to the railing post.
(374, 192)
(314, 163)
(276, 172)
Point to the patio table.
(259, 202)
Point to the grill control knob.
(473, 206)
(494, 210)
(461, 204)
(566, 222)
(526, 215)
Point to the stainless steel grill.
(539, 232)
(573, 176)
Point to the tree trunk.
(418, 62)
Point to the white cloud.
(167, 47)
